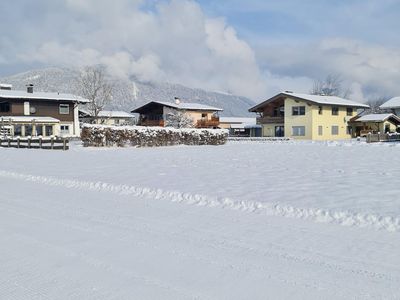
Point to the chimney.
(4, 86)
(177, 101)
(29, 88)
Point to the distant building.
(107, 117)
(393, 105)
(303, 116)
(238, 126)
(156, 113)
(29, 113)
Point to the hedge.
(139, 136)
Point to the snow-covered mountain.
(130, 93)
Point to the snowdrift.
(139, 136)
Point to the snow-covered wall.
(102, 136)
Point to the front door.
(279, 131)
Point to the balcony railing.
(208, 123)
(270, 120)
(159, 123)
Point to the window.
(298, 110)
(64, 129)
(320, 130)
(17, 130)
(349, 130)
(335, 111)
(49, 130)
(335, 130)
(4, 107)
(64, 109)
(39, 130)
(28, 130)
(298, 131)
(204, 116)
(279, 111)
(320, 110)
(349, 111)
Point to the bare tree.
(331, 86)
(179, 119)
(374, 104)
(95, 87)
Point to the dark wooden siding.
(43, 109)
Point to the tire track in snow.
(344, 218)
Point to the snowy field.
(277, 220)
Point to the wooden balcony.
(208, 123)
(159, 123)
(270, 120)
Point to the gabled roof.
(392, 103)
(115, 114)
(14, 94)
(377, 118)
(316, 99)
(181, 106)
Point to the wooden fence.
(51, 143)
(382, 137)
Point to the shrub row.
(138, 136)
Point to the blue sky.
(374, 21)
(253, 48)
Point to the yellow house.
(156, 113)
(310, 117)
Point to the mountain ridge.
(130, 93)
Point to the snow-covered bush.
(102, 135)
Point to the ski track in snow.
(344, 218)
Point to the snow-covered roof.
(109, 113)
(115, 114)
(392, 103)
(376, 118)
(182, 105)
(237, 120)
(317, 99)
(14, 94)
(29, 119)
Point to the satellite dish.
(32, 110)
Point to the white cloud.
(369, 69)
(173, 42)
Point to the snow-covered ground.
(276, 220)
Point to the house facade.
(156, 113)
(29, 113)
(310, 117)
(107, 117)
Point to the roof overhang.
(258, 107)
(391, 118)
